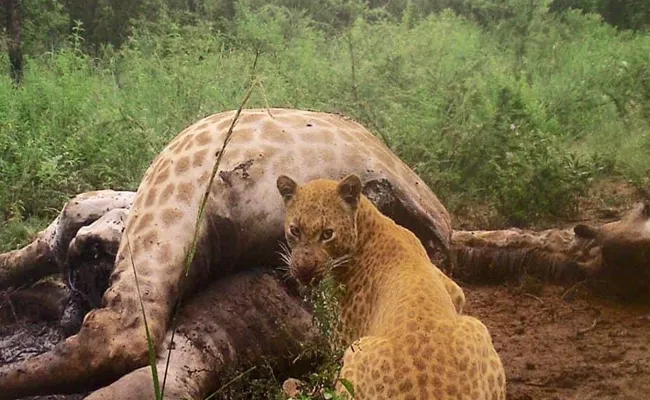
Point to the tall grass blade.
(150, 343)
(189, 255)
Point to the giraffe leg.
(91, 258)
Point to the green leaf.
(348, 386)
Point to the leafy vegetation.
(507, 104)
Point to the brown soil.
(567, 346)
(579, 347)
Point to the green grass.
(480, 122)
(440, 90)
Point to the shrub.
(440, 90)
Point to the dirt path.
(552, 349)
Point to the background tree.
(13, 25)
(624, 14)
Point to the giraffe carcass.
(242, 225)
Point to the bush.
(440, 90)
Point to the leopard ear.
(287, 187)
(350, 190)
(585, 231)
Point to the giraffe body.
(243, 221)
(399, 313)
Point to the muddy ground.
(573, 346)
(24, 339)
(554, 345)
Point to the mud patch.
(23, 339)
(585, 348)
(29, 325)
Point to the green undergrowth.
(17, 231)
(481, 122)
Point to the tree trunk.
(12, 8)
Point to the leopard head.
(320, 225)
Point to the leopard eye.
(294, 231)
(326, 235)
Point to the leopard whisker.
(284, 253)
(286, 276)
(285, 248)
(339, 262)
